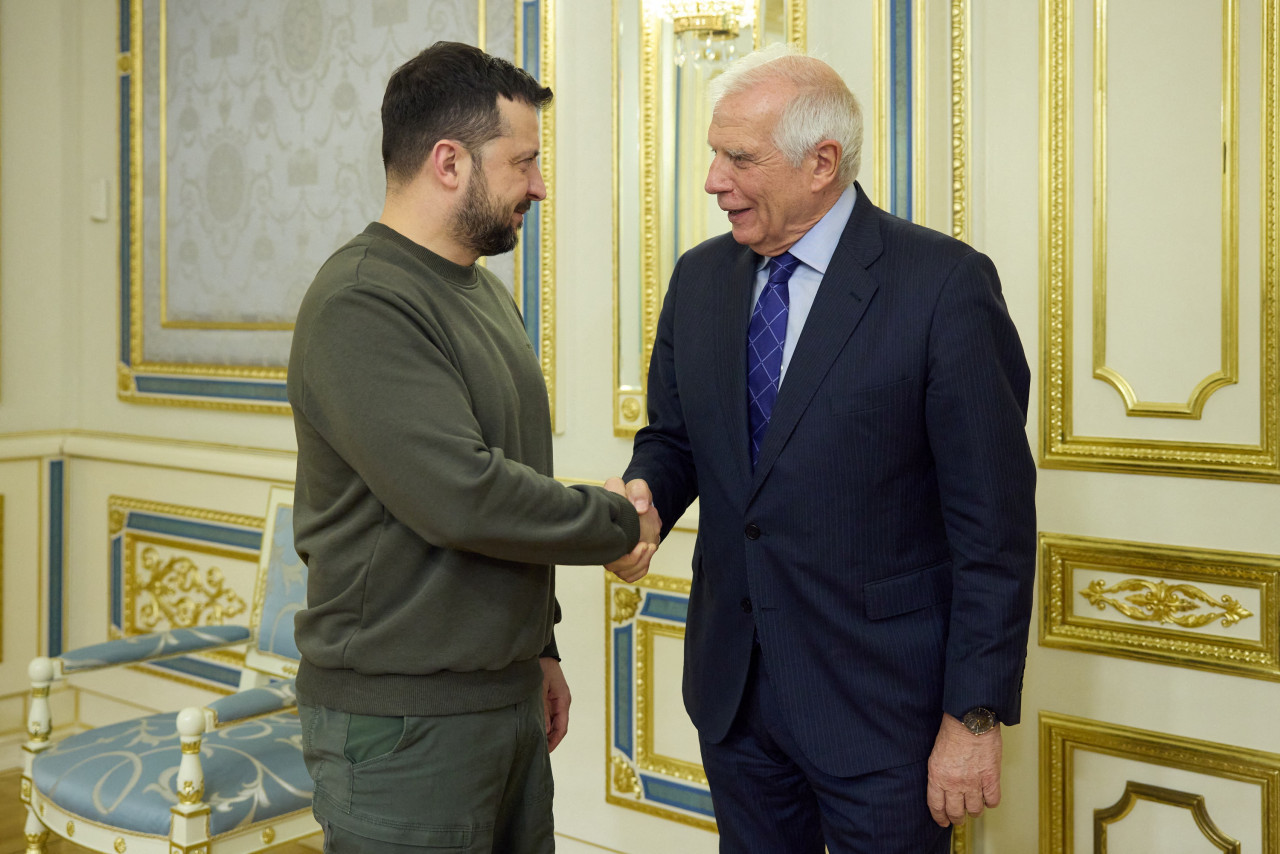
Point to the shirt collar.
(819, 243)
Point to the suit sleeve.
(976, 405)
(662, 455)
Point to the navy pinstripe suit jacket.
(883, 550)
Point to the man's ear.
(826, 162)
(449, 163)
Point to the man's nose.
(716, 182)
(537, 189)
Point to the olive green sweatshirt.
(425, 509)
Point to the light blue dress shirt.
(814, 252)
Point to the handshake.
(632, 567)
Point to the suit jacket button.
(753, 532)
(746, 606)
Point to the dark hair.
(449, 91)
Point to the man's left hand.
(555, 701)
(964, 772)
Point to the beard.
(480, 222)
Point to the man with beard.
(430, 688)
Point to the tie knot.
(782, 266)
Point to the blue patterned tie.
(766, 336)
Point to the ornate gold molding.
(960, 106)
(637, 774)
(1162, 627)
(1063, 736)
(1134, 792)
(646, 676)
(161, 583)
(625, 781)
(208, 601)
(1228, 372)
(1060, 446)
(1160, 602)
(625, 602)
(547, 210)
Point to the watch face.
(979, 720)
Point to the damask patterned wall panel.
(175, 567)
(251, 150)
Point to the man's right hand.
(632, 567)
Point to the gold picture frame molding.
(1060, 446)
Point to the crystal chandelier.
(710, 19)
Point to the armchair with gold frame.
(228, 777)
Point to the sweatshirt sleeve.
(377, 386)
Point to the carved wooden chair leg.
(36, 833)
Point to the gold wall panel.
(172, 566)
(1227, 372)
(1199, 608)
(637, 774)
(1065, 742)
(1164, 452)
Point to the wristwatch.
(979, 720)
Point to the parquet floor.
(13, 816)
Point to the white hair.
(823, 107)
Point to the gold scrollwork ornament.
(189, 793)
(625, 781)
(177, 593)
(626, 601)
(1160, 602)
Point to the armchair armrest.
(44, 671)
(193, 722)
(250, 703)
(147, 647)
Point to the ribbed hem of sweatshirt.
(445, 692)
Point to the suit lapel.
(734, 313)
(841, 302)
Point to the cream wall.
(58, 345)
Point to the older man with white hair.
(846, 394)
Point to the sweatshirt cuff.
(625, 516)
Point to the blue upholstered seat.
(137, 781)
(253, 773)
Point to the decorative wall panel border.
(961, 162)
(1199, 608)
(55, 555)
(176, 567)
(898, 120)
(637, 776)
(1064, 739)
(239, 176)
(1061, 447)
